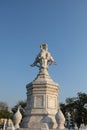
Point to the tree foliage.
(3, 106)
(6, 114)
(76, 108)
(4, 111)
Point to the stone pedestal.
(42, 102)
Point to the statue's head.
(44, 47)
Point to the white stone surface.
(42, 101)
(42, 94)
(60, 120)
(17, 118)
(44, 58)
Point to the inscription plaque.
(51, 102)
(39, 101)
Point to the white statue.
(10, 125)
(44, 58)
(82, 126)
(17, 118)
(61, 120)
(5, 124)
(76, 127)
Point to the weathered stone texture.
(42, 101)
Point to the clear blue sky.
(24, 25)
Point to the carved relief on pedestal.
(39, 101)
(51, 102)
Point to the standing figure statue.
(44, 58)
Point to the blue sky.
(24, 25)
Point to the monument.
(42, 95)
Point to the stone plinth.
(42, 102)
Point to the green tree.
(81, 112)
(76, 108)
(4, 111)
(3, 106)
(6, 114)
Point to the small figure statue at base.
(60, 119)
(17, 118)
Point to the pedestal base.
(42, 102)
(30, 122)
(40, 128)
(36, 126)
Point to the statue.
(44, 58)
(17, 118)
(60, 119)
